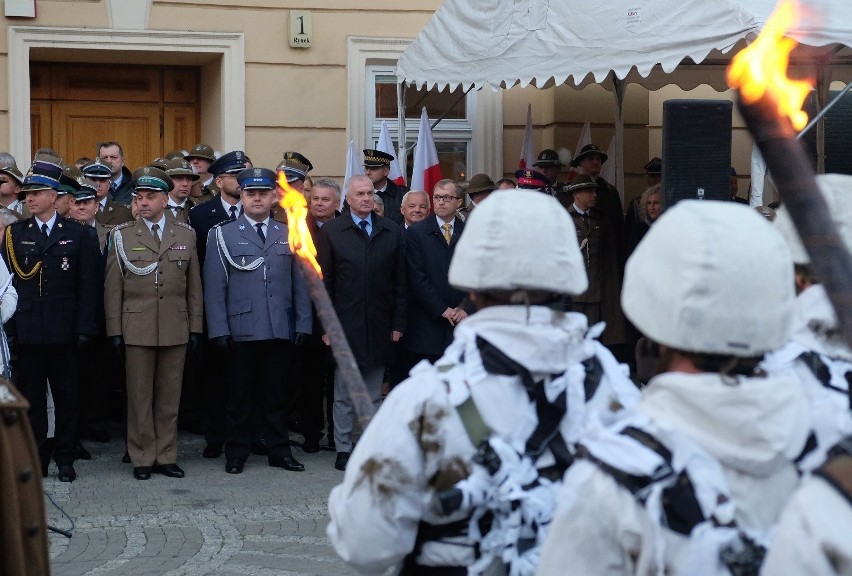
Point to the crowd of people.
(513, 438)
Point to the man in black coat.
(363, 263)
(434, 307)
(121, 187)
(377, 167)
(222, 207)
(55, 263)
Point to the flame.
(762, 67)
(299, 236)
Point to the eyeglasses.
(444, 198)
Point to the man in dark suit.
(363, 263)
(377, 168)
(434, 307)
(121, 179)
(54, 260)
(224, 206)
(258, 307)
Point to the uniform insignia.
(65, 265)
(31, 225)
(177, 247)
(64, 242)
(243, 243)
(243, 262)
(275, 226)
(182, 225)
(60, 224)
(28, 242)
(138, 249)
(242, 227)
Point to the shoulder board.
(225, 223)
(183, 225)
(109, 226)
(124, 225)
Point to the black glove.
(83, 341)
(301, 339)
(222, 343)
(194, 344)
(117, 343)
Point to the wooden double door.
(149, 110)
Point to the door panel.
(78, 127)
(180, 127)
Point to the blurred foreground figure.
(458, 471)
(694, 479)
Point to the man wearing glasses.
(434, 307)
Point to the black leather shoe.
(342, 460)
(287, 462)
(142, 473)
(125, 459)
(67, 473)
(212, 451)
(234, 466)
(311, 445)
(81, 453)
(170, 470)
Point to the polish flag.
(386, 145)
(585, 138)
(427, 171)
(527, 151)
(354, 167)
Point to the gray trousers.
(344, 411)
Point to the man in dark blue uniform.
(54, 260)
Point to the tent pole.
(620, 86)
(401, 155)
(823, 112)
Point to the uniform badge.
(65, 265)
(242, 227)
(243, 261)
(180, 264)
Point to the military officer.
(54, 261)
(203, 189)
(69, 184)
(153, 309)
(377, 167)
(296, 173)
(258, 307)
(183, 176)
(109, 212)
(225, 206)
(549, 164)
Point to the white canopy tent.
(502, 43)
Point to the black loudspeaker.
(838, 134)
(696, 150)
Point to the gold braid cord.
(13, 259)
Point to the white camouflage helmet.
(711, 277)
(519, 239)
(837, 191)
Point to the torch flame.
(299, 235)
(761, 67)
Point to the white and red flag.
(585, 138)
(353, 167)
(427, 171)
(386, 145)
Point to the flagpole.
(401, 154)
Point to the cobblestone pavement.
(265, 521)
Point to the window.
(453, 134)
(469, 139)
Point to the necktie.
(44, 230)
(260, 233)
(448, 234)
(176, 209)
(363, 225)
(233, 210)
(155, 232)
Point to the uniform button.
(33, 530)
(25, 476)
(10, 418)
(161, 297)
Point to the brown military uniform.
(114, 214)
(207, 193)
(153, 299)
(23, 536)
(182, 213)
